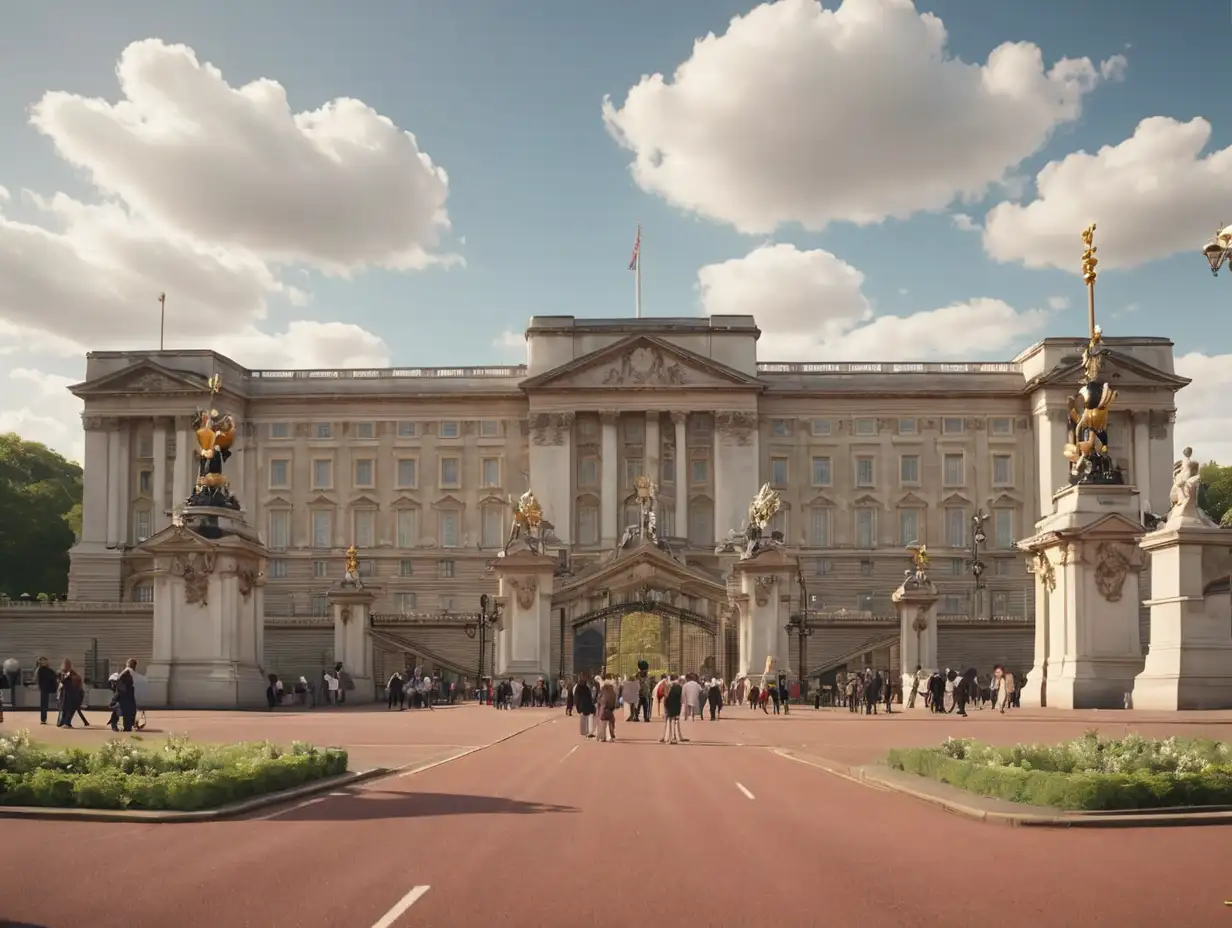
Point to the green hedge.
(179, 775)
(1080, 791)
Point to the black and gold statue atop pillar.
(1086, 446)
(215, 436)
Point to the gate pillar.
(524, 633)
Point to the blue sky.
(507, 98)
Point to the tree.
(40, 516)
(1215, 493)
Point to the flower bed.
(1087, 774)
(177, 775)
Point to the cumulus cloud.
(811, 306)
(340, 187)
(210, 194)
(803, 114)
(1058, 302)
(1153, 195)
(511, 345)
(1203, 420)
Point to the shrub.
(1088, 774)
(179, 775)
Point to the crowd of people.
(67, 688)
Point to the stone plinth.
(209, 613)
(352, 607)
(1086, 558)
(917, 617)
(1189, 663)
(524, 633)
(766, 582)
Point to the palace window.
(446, 570)
(1000, 603)
(866, 527)
(320, 605)
(445, 603)
(408, 527)
(143, 592)
(1001, 426)
(492, 526)
(588, 524)
(778, 472)
(634, 468)
(365, 431)
(635, 430)
(280, 430)
(279, 474)
(781, 428)
(588, 472)
(451, 473)
(866, 427)
(141, 525)
(908, 527)
(952, 426)
(450, 524)
(864, 602)
(489, 428)
(865, 472)
(320, 569)
(322, 528)
(490, 472)
(278, 536)
(365, 473)
(819, 527)
(145, 482)
(1003, 528)
(779, 523)
(405, 603)
(667, 521)
(277, 568)
(909, 470)
(701, 523)
(406, 567)
(365, 528)
(819, 427)
(407, 429)
(322, 474)
(955, 527)
(821, 472)
(955, 470)
(323, 430)
(699, 472)
(907, 426)
(408, 473)
(449, 429)
(1002, 470)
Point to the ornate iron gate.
(668, 638)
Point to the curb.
(407, 770)
(1190, 816)
(203, 815)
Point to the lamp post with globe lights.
(488, 615)
(1219, 249)
(975, 565)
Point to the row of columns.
(609, 478)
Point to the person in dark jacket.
(673, 703)
(872, 693)
(584, 702)
(126, 694)
(45, 677)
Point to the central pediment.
(644, 566)
(144, 378)
(642, 362)
(1121, 370)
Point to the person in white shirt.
(331, 687)
(692, 698)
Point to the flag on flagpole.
(637, 250)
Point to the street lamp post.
(800, 627)
(975, 565)
(488, 615)
(1219, 249)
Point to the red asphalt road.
(547, 829)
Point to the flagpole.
(162, 319)
(637, 272)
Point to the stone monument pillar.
(1189, 663)
(765, 575)
(916, 600)
(526, 571)
(209, 604)
(351, 602)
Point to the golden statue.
(527, 520)
(351, 575)
(1086, 446)
(764, 507)
(215, 436)
(919, 558)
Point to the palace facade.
(415, 466)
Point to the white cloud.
(45, 412)
(1058, 302)
(211, 195)
(340, 187)
(964, 223)
(1203, 421)
(1152, 195)
(810, 306)
(802, 114)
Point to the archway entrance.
(668, 638)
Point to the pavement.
(544, 828)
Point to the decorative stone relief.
(1022, 424)
(976, 425)
(1112, 566)
(551, 428)
(679, 417)
(762, 588)
(737, 426)
(345, 614)
(195, 570)
(928, 425)
(1044, 571)
(1067, 555)
(247, 579)
(887, 425)
(302, 430)
(153, 382)
(645, 366)
(525, 588)
(921, 622)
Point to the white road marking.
(387, 920)
(744, 789)
(569, 754)
(299, 805)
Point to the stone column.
(609, 481)
(917, 640)
(679, 420)
(736, 470)
(766, 582)
(115, 479)
(160, 475)
(1051, 423)
(1189, 663)
(352, 607)
(653, 447)
(1093, 651)
(97, 489)
(1034, 690)
(1142, 457)
(126, 480)
(182, 472)
(551, 468)
(524, 632)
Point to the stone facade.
(415, 466)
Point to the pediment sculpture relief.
(645, 366)
(736, 427)
(153, 382)
(525, 588)
(551, 428)
(194, 570)
(1113, 564)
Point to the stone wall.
(110, 632)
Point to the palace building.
(416, 468)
